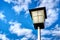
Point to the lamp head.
(38, 16)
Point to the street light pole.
(39, 38)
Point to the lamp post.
(38, 16)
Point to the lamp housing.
(38, 16)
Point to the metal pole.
(39, 35)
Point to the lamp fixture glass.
(38, 16)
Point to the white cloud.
(45, 38)
(3, 37)
(24, 38)
(15, 28)
(2, 17)
(52, 16)
(9, 1)
(23, 5)
(18, 9)
(29, 36)
(45, 32)
(47, 3)
(19, 5)
(54, 32)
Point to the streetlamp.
(38, 16)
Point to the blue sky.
(16, 22)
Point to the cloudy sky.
(16, 22)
